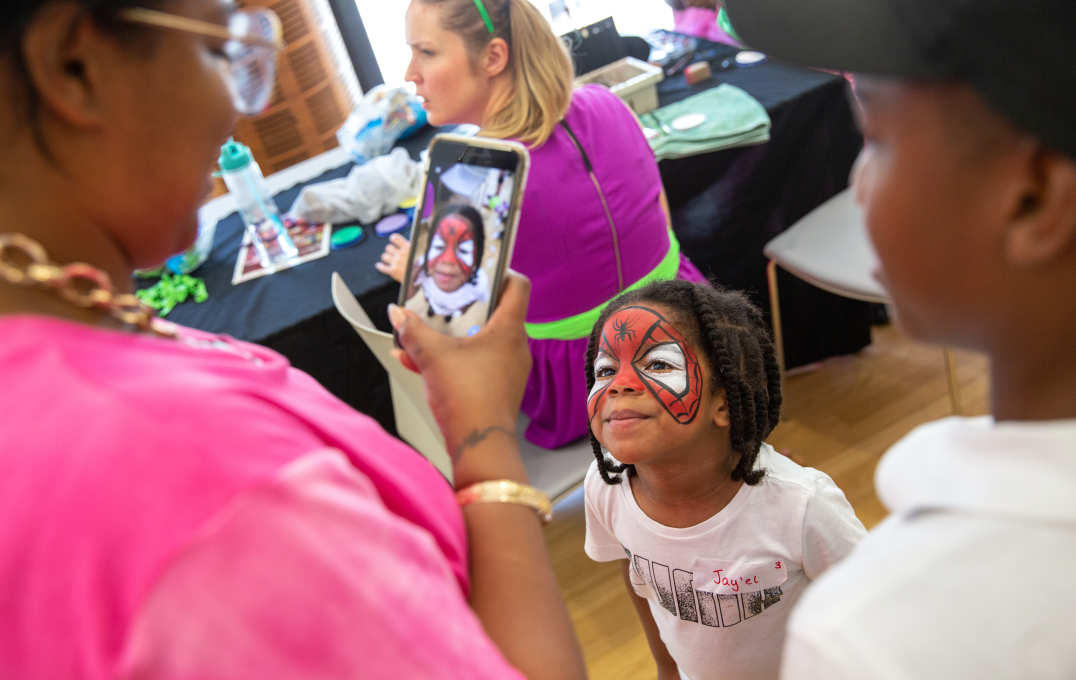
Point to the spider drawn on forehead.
(626, 329)
(623, 330)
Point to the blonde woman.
(593, 220)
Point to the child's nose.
(626, 381)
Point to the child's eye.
(663, 358)
(604, 367)
(437, 246)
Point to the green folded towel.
(733, 118)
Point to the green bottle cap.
(234, 156)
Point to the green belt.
(580, 325)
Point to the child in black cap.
(968, 184)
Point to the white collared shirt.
(971, 576)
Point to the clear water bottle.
(257, 209)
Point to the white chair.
(829, 248)
(556, 472)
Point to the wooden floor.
(839, 417)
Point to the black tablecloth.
(725, 206)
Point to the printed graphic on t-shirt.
(734, 598)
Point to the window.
(384, 22)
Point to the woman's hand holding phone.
(474, 385)
(394, 258)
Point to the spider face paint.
(451, 258)
(640, 350)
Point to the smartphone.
(464, 230)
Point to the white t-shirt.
(971, 574)
(721, 591)
(454, 303)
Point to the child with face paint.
(451, 276)
(721, 533)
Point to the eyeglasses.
(251, 41)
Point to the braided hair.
(731, 334)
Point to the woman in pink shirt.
(701, 18)
(180, 505)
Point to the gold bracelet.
(507, 491)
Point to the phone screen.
(462, 236)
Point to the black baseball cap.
(1020, 55)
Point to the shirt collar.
(1016, 469)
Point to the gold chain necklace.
(24, 262)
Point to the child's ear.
(720, 410)
(1043, 227)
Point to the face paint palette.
(347, 236)
(749, 58)
(391, 224)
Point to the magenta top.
(564, 242)
(565, 246)
(197, 508)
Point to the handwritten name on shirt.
(734, 581)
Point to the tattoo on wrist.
(476, 437)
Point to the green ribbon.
(485, 16)
(580, 325)
(726, 24)
(172, 290)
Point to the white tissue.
(370, 190)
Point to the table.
(725, 206)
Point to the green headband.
(485, 16)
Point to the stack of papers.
(719, 118)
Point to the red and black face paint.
(640, 350)
(454, 242)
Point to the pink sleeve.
(309, 576)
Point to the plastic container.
(193, 257)
(256, 207)
(190, 259)
(634, 81)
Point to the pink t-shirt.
(701, 23)
(200, 509)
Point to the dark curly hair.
(736, 344)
